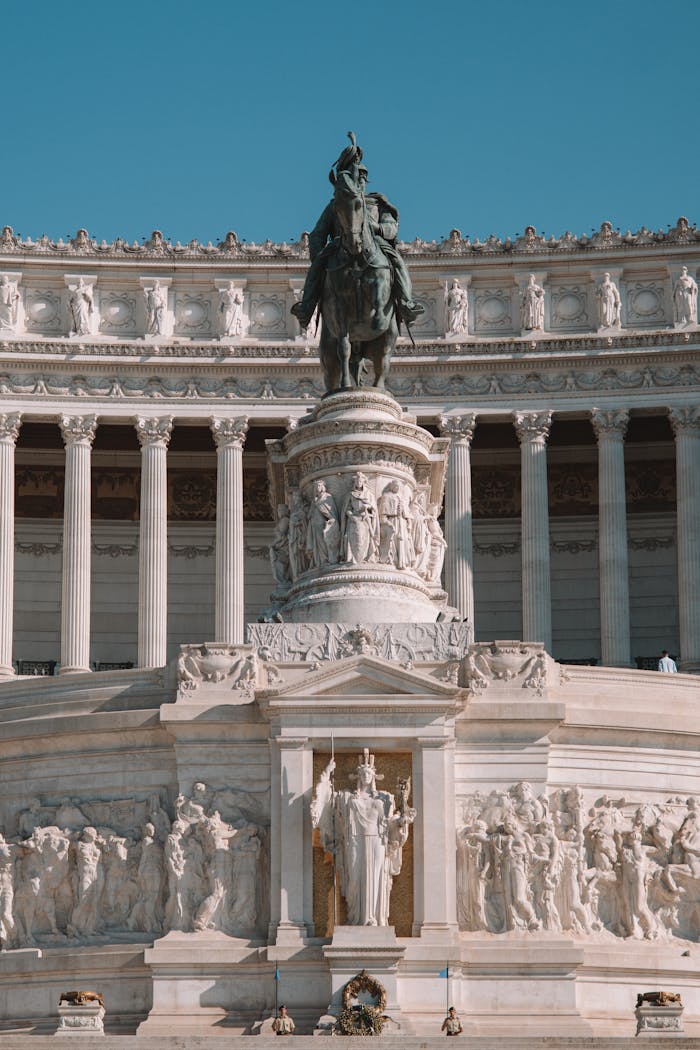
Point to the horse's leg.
(344, 353)
(329, 359)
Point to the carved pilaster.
(154, 435)
(10, 423)
(686, 427)
(610, 427)
(292, 892)
(532, 429)
(229, 436)
(78, 435)
(459, 567)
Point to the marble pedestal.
(82, 1020)
(655, 1021)
(371, 948)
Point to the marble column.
(610, 427)
(153, 435)
(435, 880)
(532, 429)
(293, 903)
(78, 435)
(9, 430)
(229, 435)
(686, 427)
(459, 563)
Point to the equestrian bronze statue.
(357, 278)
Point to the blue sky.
(197, 118)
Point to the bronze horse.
(357, 306)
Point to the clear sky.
(198, 118)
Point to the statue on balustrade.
(365, 829)
(81, 306)
(685, 299)
(532, 306)
(608, 303)
(231, 308)
(156, 300)
(9, 303)
(456, 309)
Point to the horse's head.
(349, 205)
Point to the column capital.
(154, 432)
(459, 428)
(609, 422)
(78, 430)
(229, 431)
(685, 419)
(532, 427)
(10, 422)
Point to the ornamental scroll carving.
(82, 871)
(616, 868)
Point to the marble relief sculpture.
(685, 299)
(365, 830)
(279, 548)
(80, 302)
(360, 523)
(456, 309)
(231, 309)
(395, 542)
(156, 299)
(608, 303)
(532, 306)
(616, 869)
(71, 880)
(9, 303)
(323, 529)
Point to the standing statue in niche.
(438, 545)
(279, 548)
(231, 308)
(532, 306)
(608, 303)
(156, 299)
(365, 830)
(456, 309)
(357, 277)
(685, 299)
(297, 535)
(360, 523)
(323, 531)
(81, 306)
(9, 301)
(395, 543)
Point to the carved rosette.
(364, 485)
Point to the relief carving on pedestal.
(614, 869)
(85, 871)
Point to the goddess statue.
(365, 830)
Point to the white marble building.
(138, 386)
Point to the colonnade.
(532, 429)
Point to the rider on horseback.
(324, 242)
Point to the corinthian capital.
(154, 432)
(229, 431)
(10, 423)
(685, 420)
(78, 430)
(459, 428)
(610, 422)
(532, 427)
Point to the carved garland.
(358, 1018)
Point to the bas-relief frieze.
(613, 868)
(86, 871)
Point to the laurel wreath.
(362, 1018)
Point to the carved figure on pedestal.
(9, 302)
(360, 523)
(297, 535)
(246, 849)
(231, 308)
(86, 918)
(546, 872)
(456, 309)
(635, 873)
(81, 306)
(438, 545)
(120, 887)
(474, 872)
(608, 303)
(8, 929)
(175, 857)
(156, 299)
(147, 913)
(212, 914)
(365, 832)
(279, 548)
(420, 533)
(513, 849)
(532, 306)
(395, 543)
(685, 299)
(323, 530)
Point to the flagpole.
(447, 987)
(277, 984)
(335, 889)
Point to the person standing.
(283, 1024)
(452, 1024)
(667, 663)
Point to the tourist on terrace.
(667, 664)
